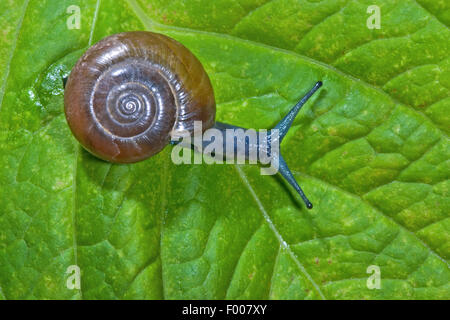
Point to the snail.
(133, 93)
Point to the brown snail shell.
(131, 92)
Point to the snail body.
(132, 93)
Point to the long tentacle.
(285, 124)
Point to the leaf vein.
(275, 231)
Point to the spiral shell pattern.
(131, 92)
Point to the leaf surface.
(370, 150)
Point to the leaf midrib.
(277, 234)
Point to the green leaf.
(371, 151)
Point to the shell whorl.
(131, 92)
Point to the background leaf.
(371, 151)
